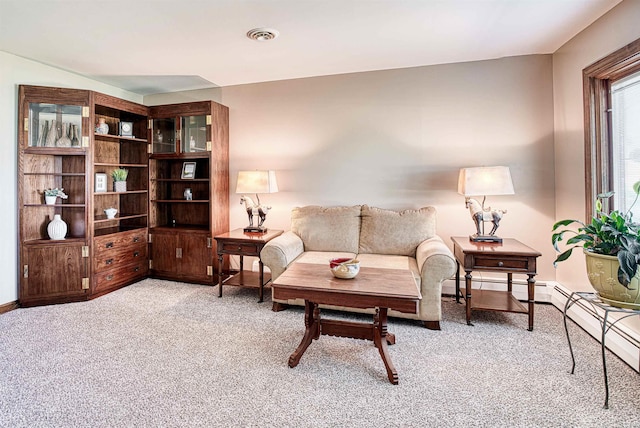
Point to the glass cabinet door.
(55, 125)
(193, 134)
(164, 135)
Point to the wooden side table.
(511, 256)
(240, 243)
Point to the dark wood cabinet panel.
(53, 273)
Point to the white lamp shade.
(486, 180)
(257, 182)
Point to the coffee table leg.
(380, 339)
(312, 331)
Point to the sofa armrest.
(278, 253)
(436, 264)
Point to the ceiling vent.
(262, 34)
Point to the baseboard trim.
(622, 339)
(7, 307)
(520, 287)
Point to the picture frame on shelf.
(100, 182)
(188, 171)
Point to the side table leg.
(312, 331)
(220, 275)
(467, 280)
(261, 292)
(457, 281)
(531, 283)
(380, 340)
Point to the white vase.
(57, 228)
(50, 200)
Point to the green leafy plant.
(120, 174)
(55, 192)
(612, 234)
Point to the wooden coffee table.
(382, 289)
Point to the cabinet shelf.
(181, 180)
(57, 151)
(56, 174)
(56, 205)
(118, 138)
(128, 165)
(184, 201)
(104, 219)
(70, 240)
(128, 192)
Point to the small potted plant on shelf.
(611, 245)
(120, 179)
(52, 195)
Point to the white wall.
(396, 139)
(611, 32)
(14, 71)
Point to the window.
(612, 132)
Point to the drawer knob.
(239, 248)
(136, 239)
(500, 264)
(108, 261)
(136, 254)
(109, 277)
(109, 245)
(136, 269)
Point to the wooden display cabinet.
(60, 147)
(189, 189)
(53, 140)
(117, 250)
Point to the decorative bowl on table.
(345, 267)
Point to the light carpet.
(167, 354)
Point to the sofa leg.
(277, 307)
(432, 325)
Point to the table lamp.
(256, 182)
(483, 181)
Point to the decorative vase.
(64, 141)
(50, 200)
(75, 139)
(102, 127)
(57, 228)
(602, 271)
(119, 186)
(52, 134)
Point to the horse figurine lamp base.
(480, 215)
(256, 210)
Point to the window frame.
(597, 79)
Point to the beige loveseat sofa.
(379, 238)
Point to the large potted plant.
(611, 245)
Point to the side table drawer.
(239, 248)
(521, 264)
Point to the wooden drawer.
(111, 278)
(108, 243)
(512, 264)
(108, 259)
(240, 248)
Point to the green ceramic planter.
(603, 276)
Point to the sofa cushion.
(327, 228)
(322, 257)
(395, 232)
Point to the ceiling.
(157, 46)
